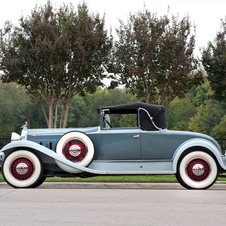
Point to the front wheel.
(197, 170)
(22, 169)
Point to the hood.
(47, 132)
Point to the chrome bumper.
(2, 157)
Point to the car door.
(154, 145)
(160, 145)
(121, 144)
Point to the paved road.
(151, 204)
(75, 185)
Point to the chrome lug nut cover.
(198, 169)
(22, 168)
(75, 150)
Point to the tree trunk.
(62, 117)
(51, 104)
(56, 112)
(44, 112)
(30, 113)
(66, 112)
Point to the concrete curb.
(80, 185)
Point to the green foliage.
(219, 131)
(83, 110)
(214, 61)
(154, 57)
(55, 54)
(179, 113)
(14, 104)
(199, 94)
(128, 120)
(207, 117)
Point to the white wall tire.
(197, 170)
(76, 147)
(22, 169)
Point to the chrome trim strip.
(141, 172)
(140, 161)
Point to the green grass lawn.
(121, 179)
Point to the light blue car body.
(117, 151)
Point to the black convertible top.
(157, 112)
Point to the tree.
(14, 105)
(199, 94)
(86, 114)
(55, 55)
(208, 116)
(219, 131)
(214, 61)
(153, 57)
(179, 113)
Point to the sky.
(205, 14)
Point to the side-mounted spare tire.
(76, 147)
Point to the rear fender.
(62, 162)
(196, 143)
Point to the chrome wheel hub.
(198, 169)
(75, 150)
(22, 168)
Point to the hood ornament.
(24, 127)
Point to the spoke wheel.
(76, 147)
(75, 150)
(197, 170)
(22, 169)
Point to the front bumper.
(2, 157)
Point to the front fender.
(198, 142)
(62, 162)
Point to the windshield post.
(105, 119)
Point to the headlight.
(15, 136)
(2, 157)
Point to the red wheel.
(197, 170)
(75, 150)
(22, 169)
(76, 147)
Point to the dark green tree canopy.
(214, 61)
(55, 54)
(153, 57)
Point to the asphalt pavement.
(80, 185)
(110, 204)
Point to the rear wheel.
(22, 169)
(197, 170)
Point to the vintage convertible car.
(146, 147)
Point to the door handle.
(136, 136)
